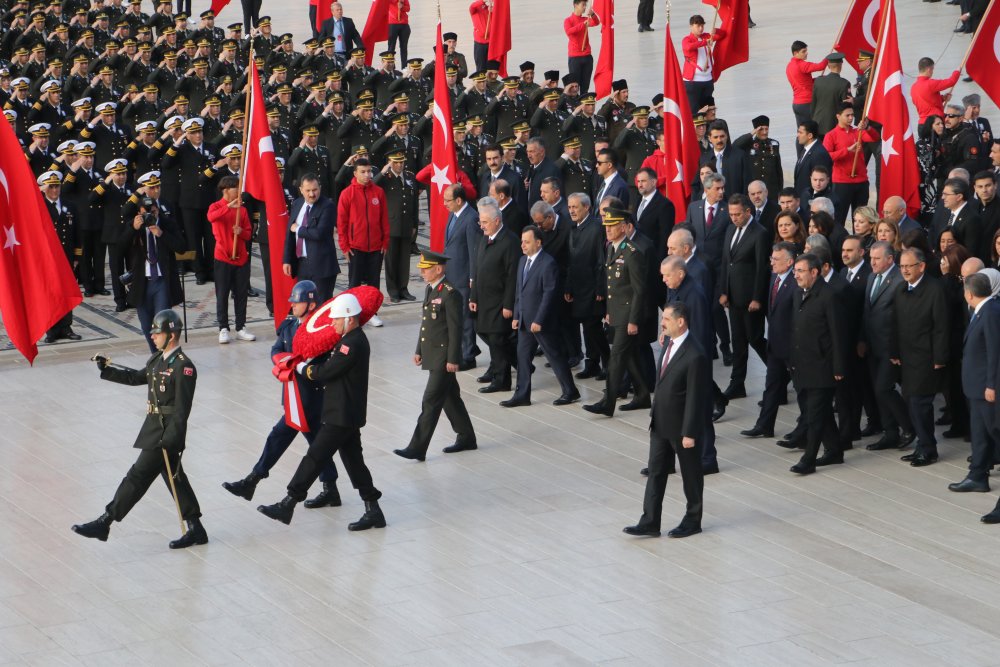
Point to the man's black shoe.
(734, 391)
(636, 405)
(515, 403)
(906, 439)
(829, 459)
(756, 432)
(789, 444)
(493, 388)
(684, 531)
(195, 535)
(967, 485)
(97, 529)
(600, 409)
(408, 453)
(280, 511)
(882, 444)
(485, 378)
(328, 497)
(458, 447)
(638, 531)
(566, 399)
(406, 296)
(802, 469)
(921, 461)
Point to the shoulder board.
(133, 199)
(774, 142)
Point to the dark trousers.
(251, 14)
(469, 346)
(803, 112)
(775, 387)
(441, 393)
(230, 278)
(849, 196)
(862, 394)
(984, 438)
(265, 260)
(92, 262)
(748, 331)
(154, 299)
(324, 284)
(279, 439)
(891, 407)
(330, 439)
(116, 266)
(481, 53)
(661, 464)
(312, 19)
(583, 68)
(820, 428)
(62, 327)
(921, 407)
(501, 356)
(397, 265)
(199, 238)
(954, 397)
(721, 323)
(645, 14)
(569, 332)
(140, 476)
(527, 343)
(184, 6)
(699, 94)
(595, 342)
(365, 268)
(400, 31)
(624, 358)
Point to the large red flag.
(218, 5)
(604, 72)
(261, 181)
(859, 31)
(734, 24)
(900, 172)
(680, 163)
(376, 28)
(443, 162)
(983, 59)
(499, 34)
(37, 287)
(322, 13)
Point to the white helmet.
(345, 305)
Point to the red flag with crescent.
(604, 71)
(860, 30)
(680, 160)
(443, 161)
(983, 60)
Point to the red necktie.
(666, 358)
(710, 217)
(774, 290)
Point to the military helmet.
(166, 321)
(303, 292)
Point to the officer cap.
(117, 166)
(229, 45)
(398, 156)
(68, 146)
(451, 70)
(552, 75)
(181, 98)
(4, 73)
(387, 55)
(401, 119)
(150, 179)
(38, 48)
(317, 85)
(273, 112)
(865, 55)
(10, 115)
(699, 119)
(311, 43)
(527, 66)
(511, 82)
(640, 112)
(429, 259)
(509, 143)
(62, 27)
(50, 178)
(236, 114)
(280, 161)
(82, 103)
(150, 88)
(40, 129)
(193, 124)
(357, 53)
(146, 126)
(478, 75)
(286, 38)
(360, 150)
(458, 125)
(235, 27)
(521, 126)
(166, 322)
(835, 57)
(336, 97)
(207, 14)
(616, 216)
(86, 147)
(310, 131)
(553, 93)
(571, 142)
(167, 55)
(367, 104)
(264, 20)
(51, 84)
(474, 121)
(200, 62)
(285, 88)
(415, 63)
(589, 98)
(328, 41)
(448, 36)
(204, 42)
(233, 150)
(56, 62)
(174, 122)
(106, 107)
(20, 82)
(620, 84)
(213, 101)
(304, 291)
(169, 30)
(401, 97)
(761, 121)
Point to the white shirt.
(499, 229)
(298, 220)
(979, 305)
(828, 276)
(851, 273)
(914, 285)
(677, 342)
(953, 215)
(781, 278)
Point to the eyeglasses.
(603, 162)
(952, 115)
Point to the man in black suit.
(858, 393)
(980, 362)
(585, 287)
(781, 300)
(731, 162)
(962, 217)
(765, 209)
(342, 31)
(919, 346)
(496, 170)
(536, 304)
(654, 213)
(812, 153)
(608, 181)
(492, 294)
(309, 252)
(894, 208)
(514, 218)
(653, 298)
(676, 426)
(540, 168)
(989, 213)
(820, 185)
(817, 363)
(881, 290)
(743, 289)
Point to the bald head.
(680, 243)
(972, 266)
(894, 209)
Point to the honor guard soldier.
(170, 378)
(401, 193)
(509, 107)
(587, 125)
(439, 351)
(634, 144)
(577, 174)
(764, 153)
(547, 120)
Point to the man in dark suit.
(342, 31)
(962, 216)
(676, 426)
(607, 181)
(585, 288)
(781, 299)
(492, 293)
(309, 252)
(765, 209)
(817, 363)
(536, 304)
(919, 346)
(989, 212)
(653, 299)
(731, 162)
(894, 208)
(654, 213)
(980, 361)
(812, 154)
(743, 289)
(462, 236)
(496, 170)
(514, 218)
(881, 290)
(540, 167)
(857, 394)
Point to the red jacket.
(362, 218)
(480, 14)
(799, 73)
(690, 46)
(926, 95)
(397, 15)
(223, 218)
(576, 31)
(657, 162)
(838, 143)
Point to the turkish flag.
(499, 34)
(983, 58)
(219, 5)
(322, 13)
(900, 171)
(604, 72)
(859, 31)
(376, 28)
(261, 181)
(37, 287)
(443, 161)
(680, 160)
(734, 46)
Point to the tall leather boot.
(195, 535)
(243, 488)
(280, 511)
(372, 518)
(98, 528)
(328, 497)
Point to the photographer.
(148, 241)
(231, 228)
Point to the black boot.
(99, 528)
(281, 511)
(372, 518)
(195, 535)
(243, 488)
(328, 497)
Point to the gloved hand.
(102, 362)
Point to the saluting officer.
(764, 152)
(401, 194)
(171, 378)
(634, 144)
(547, 120)
(585, 123)
(577, 173)
(509, 107)
(439, 350)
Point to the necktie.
(951, 220)
(151, 255)
(909, 288)
(427, 294)
(718, 162)
(774, 290)
(756, 216)
(709, 217)
(877, 286)
(300, 243)
(600, 193)
(736, 238)
(527, 267)
(451, 226)
(642, 207)
(666, 358)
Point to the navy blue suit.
(780, 309)
(536, 300)
(617, 188)
(462, 236)
(710, 240)
(320, 263)
(980, 361)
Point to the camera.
(148, 205)
(126, 279)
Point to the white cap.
(193, 123)
(345, 305)
(83, 145)
(174, 120)
(51, 83)
(68, 145)
(103, 106)
(10, 113)
(21, 80)
(117, 162)
(146, 125)
(280, 161)
(39, 127)
(148, 176)
(80, 102)
(231, 148)
(49, 176)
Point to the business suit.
(536, 174)
(735, 169)
(782, 295)
(765, 216)
(678, 412)
(744, 279)
(615, 188)
(816, 156)
(980, 363)
(537, 297)
(514, 218)
(318, 263)
(493, 292)
(709, 238)
(656, 221)
(967, 227)
(517, 192)
(908, 224)
(462, 236)
(350, 34)
(585, 285)
(859, 394)
(850, 313)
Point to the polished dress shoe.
(601, 376)
(829, 459)
(406, 296)
(51, 338)
(921, 461)
(757, 432)
(97, 529)
(882, 444)
(802, 469)
(485, 378)
(589, 371)
(408, 453)
(328, 497)
(566, 399)
(870, 429)
(954, 433)
(72, 335)
(684, 531)
(637, 405)
(727, 356)
(393, 299)
(734, 391)
(195, 535)
(718, 412)
(642, 28)
(280, 511)
(992, 517)
(515, 402)
(121, 308)
(906, 439)
(967, 485)
(908, 457)
(789, 444)
(87, 293)
(103, 292)
(710, 469)
(639, 531)
(460, 447)
(600, 409)
(372, 518)
(493, 388)
(467, 365)
(644, 472)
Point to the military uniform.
(401, 193)
(765, 161)
(588, 129)
(576, 176)
(616, 117)
(633, 147)
(504, 111)
(549, 126)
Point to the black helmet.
(167, 321)
(303, 292)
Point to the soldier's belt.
(157, 410)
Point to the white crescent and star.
(870, 22)
(10, 235)
(312, 324)
(996, 45)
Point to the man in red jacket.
(699, 83)
(926, 92)
(800, 75)
(481, 12)
(363, 228)
(850, 174)
(576, 25)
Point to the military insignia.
(163, 388)
(437, 300)
(344, 349)
(188, 371)
(973, 150)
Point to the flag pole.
(975, 35)
(246, 150)
(868, 93)
(840, 33)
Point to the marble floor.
(510, 555)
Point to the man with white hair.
(894, 208)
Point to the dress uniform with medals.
(587, 125)
(578, 174)
(65, 221)
(401, 193)
(509, 107)
(765, 157)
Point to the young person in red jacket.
(363, 228)
(699, 84)
(849, 191)
(576, 26)
(399, 27)
(231, 275)
(800, 75)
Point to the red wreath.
(317, 336)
